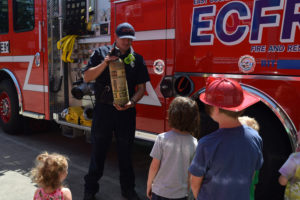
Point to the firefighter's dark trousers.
(107, 121)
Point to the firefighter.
(111, 119)
(225, 160)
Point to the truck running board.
(32, 115)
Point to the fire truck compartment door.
(28, 50)
(149, 21)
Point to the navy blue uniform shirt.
(135, 75)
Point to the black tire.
(10, 119)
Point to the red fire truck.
(256, 42)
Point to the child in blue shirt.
(226, 159)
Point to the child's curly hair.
(249, 121)
(48, 169)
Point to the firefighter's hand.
(129, 104)
(108, 58)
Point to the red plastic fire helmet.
(227, 94)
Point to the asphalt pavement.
(18, 152)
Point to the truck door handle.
(40, 36)
(37, 58)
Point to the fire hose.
(66, 44)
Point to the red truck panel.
(212, 37)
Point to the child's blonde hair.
(249, 121)
(48, 170)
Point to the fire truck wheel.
(276, 149)
(10, 120)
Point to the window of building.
(3, 16)
(23, 12)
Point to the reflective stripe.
(121, 1)
(163, 34)
(151, 98)
(29, 59)
(240, 76)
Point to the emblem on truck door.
(246, 64)
(159, 66)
